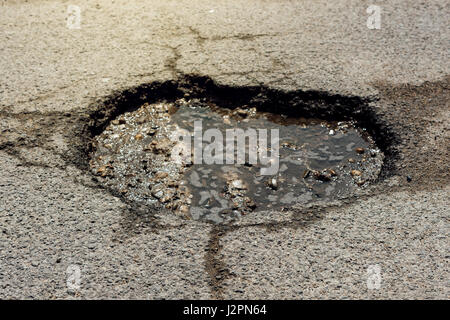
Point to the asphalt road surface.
(63, 236)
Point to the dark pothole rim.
(298, 103)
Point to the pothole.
(186, 156)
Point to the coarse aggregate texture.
(53, 215)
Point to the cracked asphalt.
(54, 215)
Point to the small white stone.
(237, 184)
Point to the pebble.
(226, 120)
(172, 183)
(161, 175)
(158, 193)
(167, 197)
(359, 150)
(183, 209)
(322, 176)
(273, 183)
(332, 172)
(141, 120)
(102, 171)
(355, 173)
(241, 112)
(139, 136)
(238, 184)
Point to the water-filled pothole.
(140, 155)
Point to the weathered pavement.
(52, 215)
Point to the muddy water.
(317, 160)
